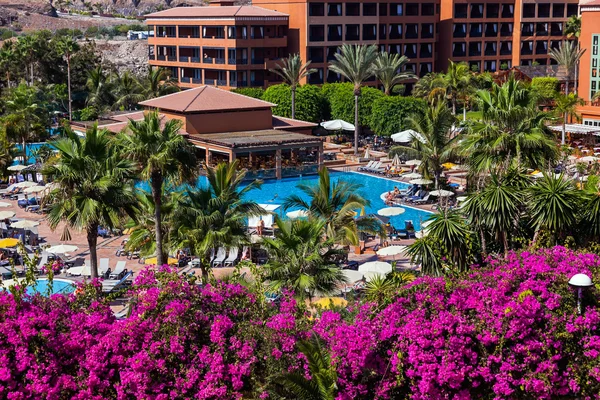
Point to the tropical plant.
(292, 71)
(67, 46)
(573, 26)
(458, 79)
(382, 288)
(322, 384)
(389, 70)
(99, 88)
(301, 258)
(426, 252)
(356, 64)
(94, 186)
(337, 204)
(454, 235)
(567, 55)
(128, 91)
(433, 87)
(215, 216)
(26, 48)
(158, 82)
(162, 155)
(7, 58)
(566, 106)
(553, 203)
(389, 113)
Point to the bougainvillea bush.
(509, 330)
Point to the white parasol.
(6, 214)
(4, 205)
(413, 162)
(25, 184)
(17, 168)
(420, 181)
(413, 175)
(337, 125)
(391, 251)
(297, 214)
(407, 136)
(441, 193)
(375, 266)
(24, 224)
(396, 161)
(62, 249)
(391, 211)
(34, 189)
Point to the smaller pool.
(58, 286)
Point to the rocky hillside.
(126, 54)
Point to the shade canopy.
(24, 224)
(420, 181)
(25, 184)
(10, 242)
(16, 168)
(379, 267)
(153, 260)
(4, 204)
(407, 136)
(327, 302)
(396, 160)
(6, 214)
(441, 193)
(352, 276)
(34, 189)
(461, 198)
(367, 153)
(588, 159)
(297, 214)
(267, 218)
(369, 276)
(391, 211)
(413, 175)
(337, 125)
(413, 162)
(391, 251)
(62, 249)
(448, 165)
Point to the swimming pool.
(31, 149)
(62, 286)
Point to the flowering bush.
(506, 331)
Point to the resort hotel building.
(226, 126)
(589, 65)
(235, 46)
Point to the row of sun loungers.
(374, 167)
(222, 260)
(103, 269)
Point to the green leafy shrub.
(341, 100)
(257, 93)
(545, 88)
(310, 102)
(389, 113)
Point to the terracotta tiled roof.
(249, 139)
(205, 99)
(211, 12)
(288, 123)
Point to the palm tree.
(68, 47)
(24, 113)
(356, 64)
(302, 259)
(458, 77)
(215, 216)
(568, 56)
(7, 58)
(435, 144)
(553, 203)
(426, 252)
(433, 87)
(158, 83)
(573, 26)
(292, 71)
(99, 89)
(95, 186)
(26, 47)
(162, 155)
(389, 70)
(323, 382)
(591, 213)
(128, 91)
(336, 203)
(450, 228)
(566, 105)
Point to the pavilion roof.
(252, 139)
(577, 129)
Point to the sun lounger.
(43, 261)
(220, 258)
(378, 170)
(103, 266)
(119, 269)
(424, 200)
(366, 167)
(233, 255)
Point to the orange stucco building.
(589, 65)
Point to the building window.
(315, 54)
(353, 32)
(595, 66)
(558, 10)
(412, 9)
(492, 10)
(541, 47)
(526, 48)
(317, 77)
(508, 10)
(477, 10)
(427, 9)
(369, 31)
(316, 33)
(395, 49)
(395, 31)
(316, 9)
(544, 10)
(427, 31)
(541, 29)
(352, 9)
(333, 77)
(505, 48)
(410, 50)
(556, 29)
(382, 31)
(527, 29)
(334, 32)
(426, 50)
(474, 66)
(489, 66)
(334, 9)
(383, 9)
(475, 49)
(591, 122)
(331, 52)
(476, 30)
(396, 9)
(529, 10)
(459, 30)
(491, 30)
(572, 9)
(459, 49)
(412, 31)
(491, 49)
(370, 9)
(506, 29)
(460, 11)
(424, 69)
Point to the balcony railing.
(241, 61)
(184, 59)
(195, 59)
(219, 61)
(222, 82)
(207, 60)
(185, 79)
(171, 58)
(258, 60)
(257, 83)
(209, 81)
(197, 80)
(160, 58)
(151, 57)
(231, 61)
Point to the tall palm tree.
(566, 105)
(553, 203)
(323, 382)
(215, 216)
(302, 259)
(292, 71)
(67, 46)
(24, 112)
(94, 186)
(356, 64)
(128, 91)
(7, 58)
(158, 83)
(458, 78)
(389, 70)
(433, 87)
(567, 55)
(99, 88)
(435, 144)
(336, 203)
(162, 155)
(26, 47)
(591, 211)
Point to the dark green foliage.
(341, 100)
(544, 88)
(389, 113)
(257, 93)
(310, 102)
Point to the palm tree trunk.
(355, 124)
(31, 74)
(564, 130)
(505, 243)
(156, 184)
(483, 243)
(293, 103)
(575, 83)
(567, 86)
(453, 104)
(92, 239)
(69, 86)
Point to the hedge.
(310, 103)
(341, 99)
(389, 113)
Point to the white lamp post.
(580, 281)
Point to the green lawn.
(474, 115)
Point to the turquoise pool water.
(275, 191)
(31, 148)
(58, 286)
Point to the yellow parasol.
(152, 261)
(535, 172)
(327, 302)
(10, 242)
(448, 165)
